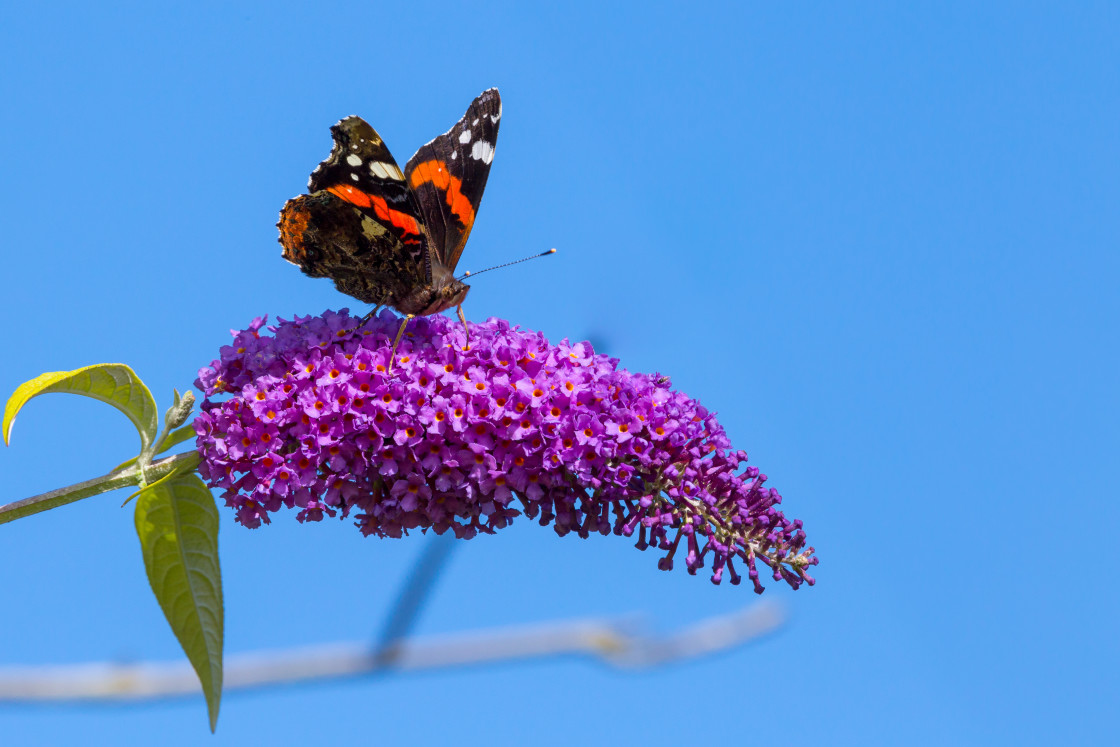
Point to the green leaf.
(177, 523)
(114, 383)
(178, 436)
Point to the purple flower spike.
(466, 438)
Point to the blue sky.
(879, 239)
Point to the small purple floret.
(467, 438)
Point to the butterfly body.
(392, 237)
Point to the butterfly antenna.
(469, 274)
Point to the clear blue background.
(881, 241)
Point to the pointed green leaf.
(177, 523)
(178, 436)
(114, 383)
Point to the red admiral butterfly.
(393, 238)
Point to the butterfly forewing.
(361, 171)
(360, 157)
(447, 176)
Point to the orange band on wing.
(353, 195)
(436, 173)
(405, 222)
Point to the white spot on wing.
(454, 154)
(353, 176)
(353, 160)
(465, 137)
(482, 151)
(385, 170)
(475, 122)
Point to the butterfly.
(390, 237)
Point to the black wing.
(447, 176)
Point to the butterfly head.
(441, 294)
(445, 297)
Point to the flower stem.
(121, 478)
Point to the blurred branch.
(612, 641)
(415, 591)
(615, 642)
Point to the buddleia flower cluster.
(466, 436)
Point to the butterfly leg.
(463, 319)
(370, 315)
(393, 353)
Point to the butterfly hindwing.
(326, 237)
(447, 176)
